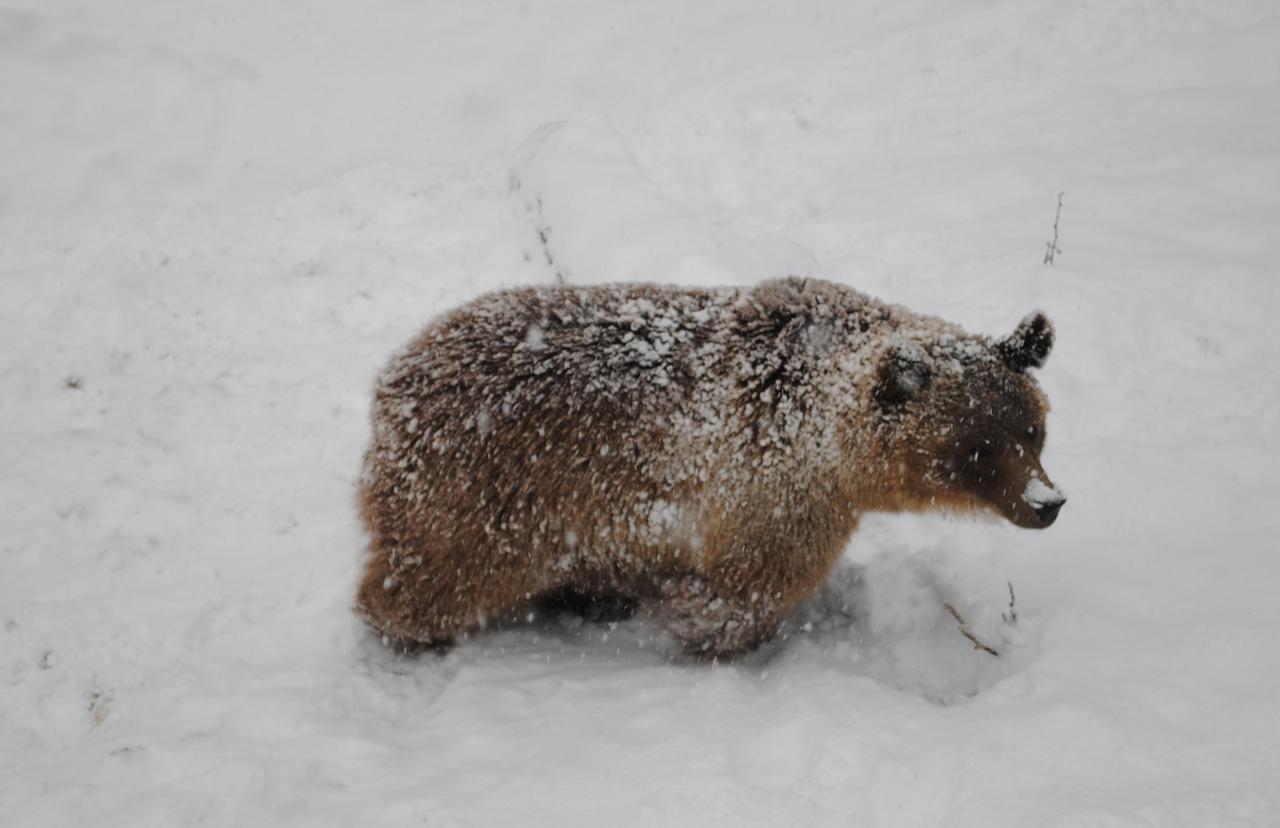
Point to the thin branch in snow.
(544, 236)
(1010, 617)
(543, 233)
(964, 630)
(1052, 248)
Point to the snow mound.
(901, 619)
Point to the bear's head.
(961, 423)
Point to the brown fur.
(705, 453)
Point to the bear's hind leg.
(404, 621)
(430, 597)
(418, 601)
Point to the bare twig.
(1010, 617)
(543, 229)
(1052, 248)
(964, 630)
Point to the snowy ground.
(216, 225)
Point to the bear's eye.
(978, 453)
(1032, 432)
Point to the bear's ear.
(904, 372)
(1029, 344)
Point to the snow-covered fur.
(703, 453)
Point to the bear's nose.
(1048, 512)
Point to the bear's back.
(642, 387)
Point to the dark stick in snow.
(964, 630)
(1010, 617)
(1052, 248)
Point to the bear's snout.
(1048, 512)
(1044, 498)
(1017, 487)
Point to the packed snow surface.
(216, 224)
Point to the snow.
(216, 225)
(1038, 493)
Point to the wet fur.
(702, 454)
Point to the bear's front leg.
(712, 623)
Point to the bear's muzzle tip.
(1048, 512)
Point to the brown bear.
(702, 454)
